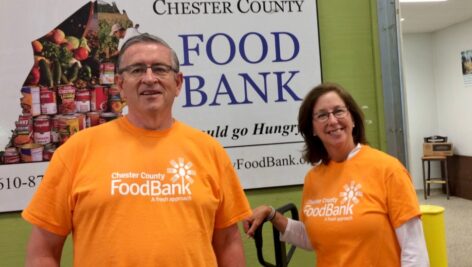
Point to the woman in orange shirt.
(359, 207)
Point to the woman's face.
(333, 123)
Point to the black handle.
(281, 257)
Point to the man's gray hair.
(149, 38)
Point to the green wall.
(349, 55)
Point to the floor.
(458, 224)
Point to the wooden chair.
(428, 180)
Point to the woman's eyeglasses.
(323, 116)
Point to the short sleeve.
(401, 197)
(234, 205)
(50, 207)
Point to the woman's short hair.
(314, 150)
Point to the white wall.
(420, 98)
(453, 97)
(436, 99)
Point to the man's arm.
(44, 248)
(228, 247)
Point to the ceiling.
(433, 16)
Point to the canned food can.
(107, 73)
(30, 100)
(11, 155)
(24, 125)
(67, 99)
(98, 99)
(82, 101)
(31, 153)
(22, 139)
(116, 105)
(82, 120)
(93, 119)
(42, 130)
(48, 101)
(55, 137)
(67, 125)
(107, 116)
(114, 93)
(48, 151)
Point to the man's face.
(148, 94)
(120, 33)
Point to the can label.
(48, 151)
(42, 130)
(107, 73)
(93, 119)
(82, 118)
(31, 153)
(116, 105)
(66, 99)
(82, 101)
(107, 116)
(98, 99)
(30, 100)
(24, 125)
(24, 130)
(11, 155)
(67, 126)
(48, 101)
(55, 137)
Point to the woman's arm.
(412, 243)
(291, 231)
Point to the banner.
(247, 65)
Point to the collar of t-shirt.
(354, 151)
(351, 154)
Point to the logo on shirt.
(182, 171)
(335, 208)
(159, 186)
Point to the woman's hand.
(257, 218)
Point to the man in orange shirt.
(144, 189)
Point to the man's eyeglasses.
(138, 70)
(323, 116)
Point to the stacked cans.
(51, 115)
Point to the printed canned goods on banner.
(42, 130)
(11, 155)
(31, 153)
(82, 100)
(48, 101)
(107, 73)
(99, 99)
(107, 116)
(30, 100)
(67, 126)
(66, 99)
(93, 118)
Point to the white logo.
(351, 193)
(181, 171)
(154, 184)
(331, 208)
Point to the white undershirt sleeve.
(412, 243)
(295, 234)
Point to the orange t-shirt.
(133, 197)
(351, 209)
